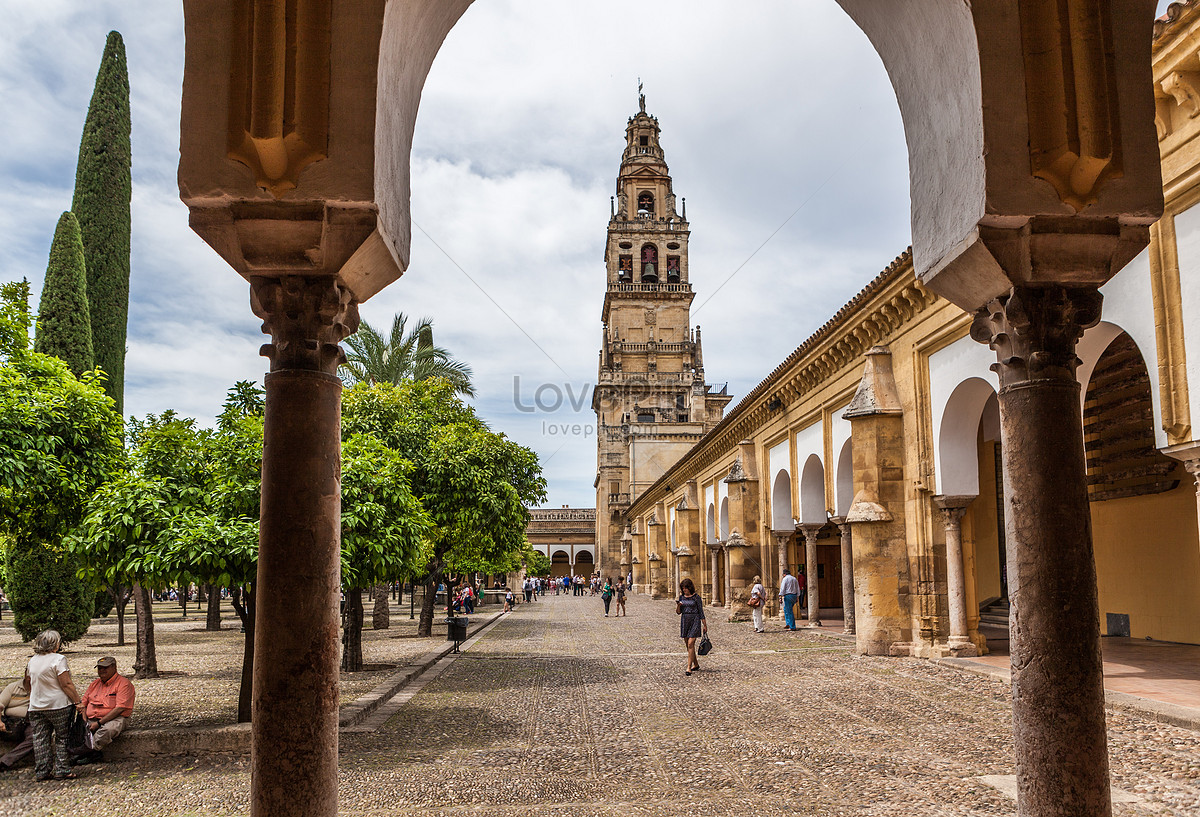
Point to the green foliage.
(473, 483)
(536, 562)
(403, 355)
(103, 187)
(104, 603)
(208, 550)
(64, 328)
(47, 593)
(59, 435)
(131, 520)
(384, 527)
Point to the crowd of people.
(43, 714)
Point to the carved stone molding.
(279, 93)
(1184, 86)
(1034, 332)
(736, 472)
(306, 317)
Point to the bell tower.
(651, 401)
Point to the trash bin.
(456, 630)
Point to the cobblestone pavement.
(558, 710)
(201, 670)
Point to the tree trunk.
(146, 663)
(425, 625)
(213, 620)
(380, 616)
(120, 599)
(201, 594)
(352, 660)
(245, 612)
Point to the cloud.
(779, 125)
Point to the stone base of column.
(958, 648)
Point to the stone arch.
(781, 501)
(812, 490)
(724, 519)
(844, 479)
(958, 431)
(710, 528)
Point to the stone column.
(810, 531)
(744, 526)
(626, 548)
(715, 585)
(687, 538)
(847, 574)
(656, 541)
(781, 543)
(1057, 675)
(296, 648)
(953, 508)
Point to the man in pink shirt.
(107, 705)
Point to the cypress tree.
(103, 188)
(64, 328)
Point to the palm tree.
(402, 356)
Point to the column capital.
(953, 507)
(810, 529)
(307, 316)
(1033, 331)
(782, 536)
(1189, 455)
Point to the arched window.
(672, 269)
(646, 203)
(649, 264)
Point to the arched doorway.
(585, 563)
(560, 564)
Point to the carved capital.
(306, 317)
(1034, 331)
(952, 508)
(810, 530)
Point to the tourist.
(621, 598)
(509, 601)
(692, 625)
(527, 588)
(52, 697)
(758, 600)
(802, 583)
(14, 722)
(607, 596)
(107, 704)
(789, 590)
(629, 583)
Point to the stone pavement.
(558, 710)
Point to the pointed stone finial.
(736, 472)
(877, 393)
(683, 504)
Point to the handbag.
(755, 601)
(705, 645)
(79, 737)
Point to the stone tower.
(651, 401)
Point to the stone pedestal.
(744, 524)
(739, 582)
(959, 644)
(847, 555)
(659, 580)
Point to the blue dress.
(691, 619)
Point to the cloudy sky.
(779, 126)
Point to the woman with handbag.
(606, 595)
(52, 701)
(692, 625)
(758, 599)
(621, 597)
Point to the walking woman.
(52, 697)
(621, 597)
(607, 595)
(692, 625)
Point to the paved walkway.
(557, 710)
(1158, 670)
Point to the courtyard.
(557, 710)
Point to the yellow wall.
(984, 526)
(1148, 562)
